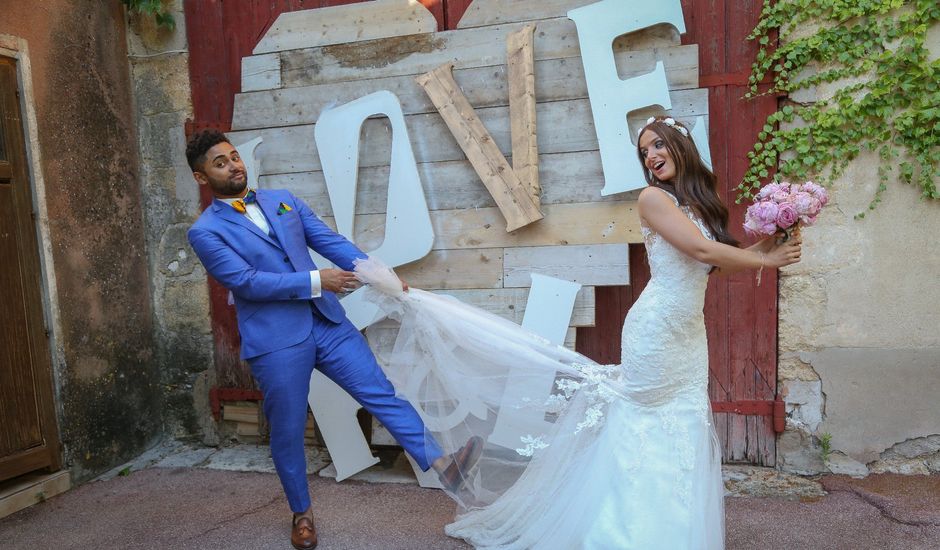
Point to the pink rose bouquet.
(784, 207)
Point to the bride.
(621, 456)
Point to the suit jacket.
(269, 277)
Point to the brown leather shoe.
(454, 476)
(303, 535)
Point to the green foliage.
(152, 7)
(888, 96)
(825, 445)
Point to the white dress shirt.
(254, 213)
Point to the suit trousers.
(343, 355)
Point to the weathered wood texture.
(513, 198)
(481, 13)
(344, 24)
(555, 79)
(520, 58)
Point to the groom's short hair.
(200, 143)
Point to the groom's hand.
(338, 281)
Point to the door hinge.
(775, 409)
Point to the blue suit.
(286, 333)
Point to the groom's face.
(223, 171)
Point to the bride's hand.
(786, 253)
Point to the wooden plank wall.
(472, 250)
(283, 100)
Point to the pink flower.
(761, 218)
(786, 215)
(768, 190)
(817, 191)
(781, 196)
(806, 205)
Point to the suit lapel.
(228, 213)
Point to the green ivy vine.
(887, 97)
(152, 7)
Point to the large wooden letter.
(512, 197)
(520, 56)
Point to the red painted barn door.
(741, 317)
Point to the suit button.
(286, 260)
(293, 296)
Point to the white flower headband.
(669, 121)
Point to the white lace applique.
(532, 444)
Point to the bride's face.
(656, 157)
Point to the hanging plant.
(152, 7)
(887, 98)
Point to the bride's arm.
(666, 219)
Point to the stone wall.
(858, 336)
(86, 171)
(160, 71)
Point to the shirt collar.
(230, 201)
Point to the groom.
(254, 242)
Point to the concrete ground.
(174, 502)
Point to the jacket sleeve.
(235, 274)
(326, 242)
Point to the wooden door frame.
(43, 321)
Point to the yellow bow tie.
(241, 205)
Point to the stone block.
(840, 464)
(798, 454)
(804, 402)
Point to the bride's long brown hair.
(694, 185)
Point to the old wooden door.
(28, 433)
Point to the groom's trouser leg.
(344, 356)
(284, 378)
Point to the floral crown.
(668, 121)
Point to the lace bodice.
(664, 348)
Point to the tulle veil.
(471, 373)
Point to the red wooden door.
(742, 317)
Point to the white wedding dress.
(631, 459)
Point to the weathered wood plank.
(590, 265)
(454, 269)
(510, 303)
(522, 116)
(415, 54)
(565, 126)
(448, 185)
(512, 197)
(497, 12)
(571, 224)
(347, 23)
(555, 80)
(261, 72)
(571, 338)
